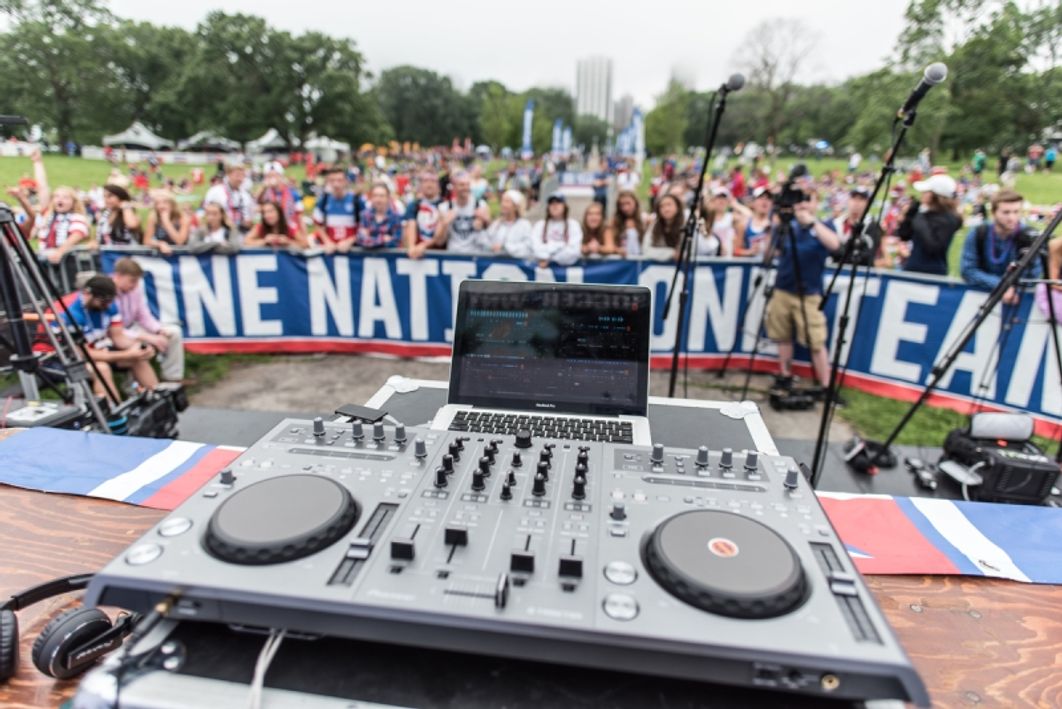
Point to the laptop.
(562, 360)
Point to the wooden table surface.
(976, 642)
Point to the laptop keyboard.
(573, 429)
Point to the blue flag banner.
(526, 151)
(384, 302)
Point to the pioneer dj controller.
(713, 565)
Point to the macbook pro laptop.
(562, 360)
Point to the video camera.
(790, 196)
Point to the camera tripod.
(19, 269)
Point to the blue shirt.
(94, 323)
(379, 231)
(812, 257)
(983, 265)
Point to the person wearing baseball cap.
(930, 224)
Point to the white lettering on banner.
(707, 308)
(376, 281)
(328, 297)
(457, 271)
(504, 272)
(161, 272)
(872, 287)
(573, 274)
(894, 329)
(418, 272)
(199, 296)
(254, 296)
(1036, 351)
(653, 277)
(544, 275)
(754, 313)
(980, 360)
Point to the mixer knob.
(522, 561)
(501, 590)
(455, 451)
(752, 459)
(378, 431)
(484, 466)
(726, 460)
(448, 463)
(506, 491)
(357, 432)
(538, 488)
(543, 469)
(477, 480)
(440, 477)
(318, 426)
(657, 455)
(400, 433)
(702, 456)
(619, 511)
(517, 459)
(579, 488)
(489, 453)
(455, 535)
(510, 479)
(523, 438)
(460, 441)
(581, 470)
(791, 477)
(546, 455)
(227, 477)
(402, 549)
(420, 449)
(570, 567)
(583, 458)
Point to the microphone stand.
(684, 263)
(903, 123)
(1009, 279)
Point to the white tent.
(209, 141)
(327, 149)
(270, 142)
(137, 136)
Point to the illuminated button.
(621, 573)
(620, 606)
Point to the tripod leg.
(1053, 323)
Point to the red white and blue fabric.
(379, 231)
(911, 535)
(338, 215)
(151, 472)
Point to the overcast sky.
(471, 40)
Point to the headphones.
(70, 642)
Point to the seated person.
(141, 325)
(991, 247)
(96, 314)
(274, 230)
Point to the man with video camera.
(793, 310)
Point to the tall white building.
(593, 88)
(622, 111)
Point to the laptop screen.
(552, 347)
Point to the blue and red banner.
(383, 302)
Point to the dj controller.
(711, 565)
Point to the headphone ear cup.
(8, 645)
(64, 634)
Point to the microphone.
(933, 75)
(734, 83)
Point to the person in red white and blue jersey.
(336, 214)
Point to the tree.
(772, 56)
(422, 106)
(665, 125)
(494, 112)
(589, 131)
